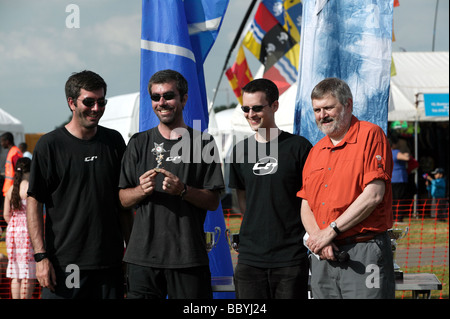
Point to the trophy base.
(398, 274)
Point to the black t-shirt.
(168, 232)
(77, 180)
(271, 175)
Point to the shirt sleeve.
(378, 162)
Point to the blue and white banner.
(178, 35)
(351, 40)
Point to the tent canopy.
(122, 114)
(418, 73)
(9, 123)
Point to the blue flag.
(351, 40)
(178, 35)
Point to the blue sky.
(38, 52)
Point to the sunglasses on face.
(167, 96)
(90, 102)
(255, 108)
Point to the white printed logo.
(265, 166)
(90, 158)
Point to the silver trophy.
(233, 240)
(396, 234)
(210, 238)
(158, 151)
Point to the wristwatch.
(335, 228)
(40, 256)
(183, 192)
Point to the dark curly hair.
(22, 166)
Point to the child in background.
(21, 266)
(436, 187)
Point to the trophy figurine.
(233, 240)
(158, 151)
(210, 238)
(396, 234)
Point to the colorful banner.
(178, 35)
(274, 37)
(351, 40)
(239, 74)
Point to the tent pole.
(233, 45)
(416, 152)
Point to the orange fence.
(424, 247)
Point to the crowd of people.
(86, 197)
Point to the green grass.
(425, 232)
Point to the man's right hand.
(45, 274)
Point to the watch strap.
(183, 192)
(40, 256)
(335, 228)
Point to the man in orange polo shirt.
(347, 200)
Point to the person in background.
(347, 201)
(399, 180)
(75, 174)
(172, 189)
(24, 149)
(437, 187)
(14, 153)
(21, 265)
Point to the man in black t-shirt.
(171, 174)
(75, 174)
(266, 171)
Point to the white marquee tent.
(122, 114)
(9, 123)
(417, 73)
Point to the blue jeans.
(272, 283)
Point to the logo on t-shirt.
(265, 166)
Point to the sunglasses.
(167, 96)
(90, 102)
(256, 108)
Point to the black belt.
(358, 238)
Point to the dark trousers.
(93, 284)
(176, 283)
(272, 283)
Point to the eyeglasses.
(255, 108)
(90, 102)
(167, 96)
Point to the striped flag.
(274, 37)
(178, 35)
(351, 40)
(239, 74)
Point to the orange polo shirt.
(334, 176)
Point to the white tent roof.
(122, 114)
(9, 123)
(417, 72)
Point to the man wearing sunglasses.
(266, 171)
(172, 190)
(74, 175)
